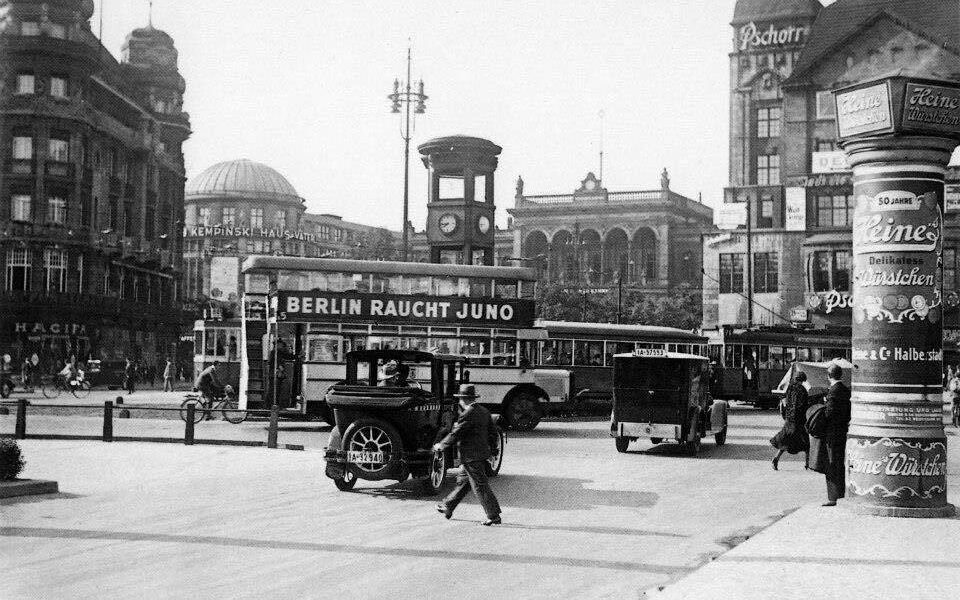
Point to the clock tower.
(460, 206)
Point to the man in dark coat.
(476, 436)
(837, 416)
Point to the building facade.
(793, 263)
(91, 188)
(649, 239)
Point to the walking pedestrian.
(476, 436)
(26, 370)
(168, 376)
(792, 437)
(828, 451)
(129, 376)
(751, 387)
(953, 395)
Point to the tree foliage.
(680, 307)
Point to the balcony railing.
(21, 166)
(60, 169)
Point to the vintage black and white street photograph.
(375, 299)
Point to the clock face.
(591, 185)
(483, 224)
(447, 223)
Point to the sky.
(301, 85)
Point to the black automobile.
(393, 406)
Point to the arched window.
(616, 250)
(590, 255)
(536, 249)
(644, 256)
(563, 259)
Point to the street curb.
(27, 487)
(159, 440)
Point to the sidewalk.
(826, 553)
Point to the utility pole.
(407, 97)
(745, 129)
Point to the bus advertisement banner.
(391, 308)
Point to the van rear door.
(648, 390)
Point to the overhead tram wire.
(751, 300)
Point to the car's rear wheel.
(523, 412)
(345, 483)
(374, 436)
(438, 471)
(496, 460)
(622, 443)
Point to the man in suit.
(837, 417)
(475, 434)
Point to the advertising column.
(896, 452)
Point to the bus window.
(588, 353)
(445, 345)
(505, 289)
(715, 353)
(323, 348)
(528, 353)
(445, 286)
(361, 282)
(477, 350)
(528, 289)
(256, 283)
(377, 342)
(504, 352)
(556, 352)
(617, 348)
(479, 286)
(415, 343)
(381, 284)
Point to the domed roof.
(241, 178)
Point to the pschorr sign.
(754, 36)
(391, 308)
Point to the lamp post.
(404, 94)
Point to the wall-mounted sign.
(823, 180)
(864, 110)
(932, 107)
(37, 328)
(252, 232)
(796, 209)
(752, 35)
(799, 313)
(828, 302)
(392, 308)
(731, 215)
(224, 277)
(833, 161)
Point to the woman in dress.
(792, 437)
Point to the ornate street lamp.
(404, 94)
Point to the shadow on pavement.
(32, 499)
(710, 451)
(529, 491)
(495, 557)
(559, 432)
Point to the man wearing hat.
(837, 416)
(391, 376)
(476, 436)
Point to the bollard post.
(272, 431)
(20, 431)
(188, 434)
(108, 421)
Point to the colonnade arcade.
(583, 256)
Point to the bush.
(11, 461)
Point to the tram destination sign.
(391, 308)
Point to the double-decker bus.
(772, 350)
(302, 315)
(587, 350)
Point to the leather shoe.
(829, 503)
(443, 509)
(489, 522)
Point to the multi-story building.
(592, 237)
(91, 188)
(793, 262)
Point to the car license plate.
(356, 456)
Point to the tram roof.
(615, 330)
(272, 263)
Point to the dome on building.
(241, 178)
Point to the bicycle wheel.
(50, 388)
(199, 409)
(231, 411)
(80, 390)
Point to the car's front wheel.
(438, 471)
(496, 459)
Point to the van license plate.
(358, 456)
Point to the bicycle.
(51, 386)
(204, 407)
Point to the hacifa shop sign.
(752, 36)
(37, 328)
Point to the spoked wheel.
(80, 390)
(524, 412)
(50, 388)
(345, 483)
(373, 446)
(231, 411)
(438, 470)
(496, 460)
(198, 409)
(622, 443)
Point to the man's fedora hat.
(467, 390)
(391, 369)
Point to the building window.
(56, 210)
(765, 218)
(56, 30)
(279, 220)
(834, 210)
(841, 270)
(59, 148)
(128, 225)
(826, 108)
(18, 269)
(22, 147)
(80, 289)
(149, 222)
(229, 215)
(205, 217)
(950, 269)
(30, 28)
(26, 83)
(731, 273)
(55, 264)
(58, 86)
(826, 145)
(765, 267)
(821, 271)
(768, 122)
(256, 217)
(831, 270)
(20, 207)
(768, 169)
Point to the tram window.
(816, 354)
(505, 289)
(293, 280)
(617, 348)
(789, 355)
(504, 352)
(803, 354)
(776, 357)
(323, 348)
(588, 353)
(556, 352)
(257, 283)
(198, 342)
(683, 348)
(763, 360)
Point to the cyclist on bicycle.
(208, 384)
